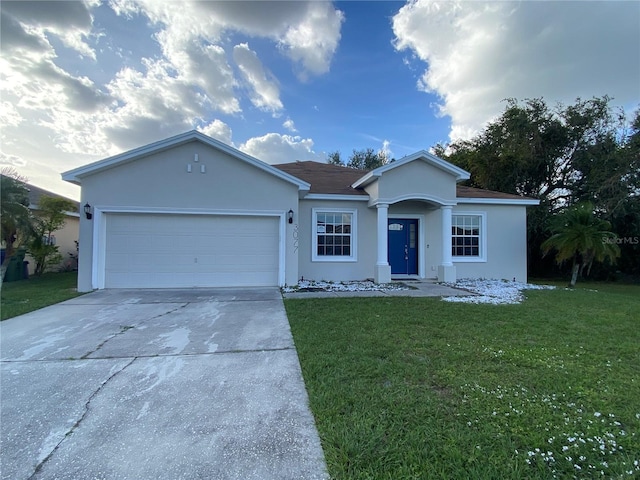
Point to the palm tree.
(582, 237)
(15, 216)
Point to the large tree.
(562, 156)
(15, 216)
(365, 159)
(334, 158)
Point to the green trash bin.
(15, 269)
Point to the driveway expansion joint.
(125, 328)
(41, 464)
(194, 354)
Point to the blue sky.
(286, 81)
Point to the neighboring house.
(190, 211)
(66, 237)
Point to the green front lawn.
(25, 296)
(415, 388)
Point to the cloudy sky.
(292, 80)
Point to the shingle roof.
(333, 179)
(472, 192)
(36, 192)
(324, 177)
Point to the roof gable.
(76, 175)
(458, 173)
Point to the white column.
(383, 215)
(446, 235)
(446, 270)
(382, 269)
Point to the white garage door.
(163, 251)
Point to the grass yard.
(415, 388)
(25, 296)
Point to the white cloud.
(70, 21)
(385, 150)
(480, 53)
(265, 93)
(307, 32)
(289, 125)
(9, 116)
(87, 91)
(12, 160)
(218, 130)
(274, 148)
(313, 41)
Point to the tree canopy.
(15, 216)
(562, 155)
(365, 159)
(50, 216)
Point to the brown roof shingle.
(36, 192)
(472, 192)
(326, 178)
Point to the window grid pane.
(333, 234)
(465, 235)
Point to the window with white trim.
(468, 237)
(334, 235)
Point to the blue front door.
(403, 246)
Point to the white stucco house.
(190, 211)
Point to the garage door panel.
(162, 251)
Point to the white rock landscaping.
(496, 292)
(364, 286)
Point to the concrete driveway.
(156, 384)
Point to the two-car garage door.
(170, 250)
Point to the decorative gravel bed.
(322, 286)
(497, 292)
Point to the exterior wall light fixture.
(290, 216)
(88, 211)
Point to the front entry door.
(403, 246)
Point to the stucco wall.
(161, 181)
(506, 243)
(362, 269)
(505, 236)
(417, 178)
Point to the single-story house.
(190, 211)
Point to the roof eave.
(500, 201)
(370, 177)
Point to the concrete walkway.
(156, 384)
(417, 288)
